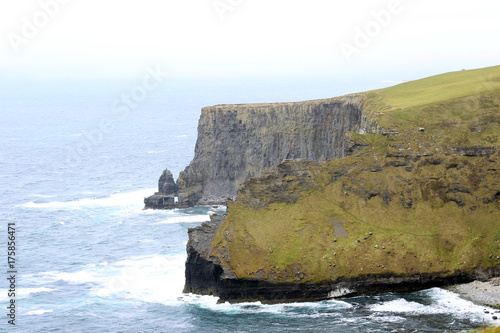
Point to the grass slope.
(441, 88)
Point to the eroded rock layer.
(236, 142)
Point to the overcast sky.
(109, 38)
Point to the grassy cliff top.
(454, 109)
(422, 198)
(440, 88)
(352, 99)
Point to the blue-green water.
(89, 259)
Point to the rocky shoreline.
(486, 293)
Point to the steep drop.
(236, 142)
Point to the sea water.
(88, 258)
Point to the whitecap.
(387, 319)
(287, 309)
(43, 196)
(37, 312)
(401, 306)
(155, 279)
(182, 136)
(115, 199)
(152, 278)
(443, 302)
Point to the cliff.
(236, 142)
(414, 206)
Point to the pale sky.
(107, 38)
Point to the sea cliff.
(407, 201)
(236, 142)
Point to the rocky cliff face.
(305, 230)
(204, 274)
(236, 142)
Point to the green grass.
(440, 88)
(431, 237)
(459, 108)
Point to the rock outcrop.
(166, 183)
(166, 197)
(236, 142)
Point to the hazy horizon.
(390, 39)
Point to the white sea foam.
(443, 302)
(43, 196)
(24, 292)
(153, 278)
(185, 219)
(37, 312)
(286, 309)
(156, 278)
(388, 319)
(151, 152)
(115, 199)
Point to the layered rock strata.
(236, 142)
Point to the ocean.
(76, 163)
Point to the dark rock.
(203, 272)
(166, 197)
(205, 275)
(162, 201)
(237, 142)
(166, 183)
(282, 183)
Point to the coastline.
(482, 293)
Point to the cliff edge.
(236, 142)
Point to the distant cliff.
(236, 142)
